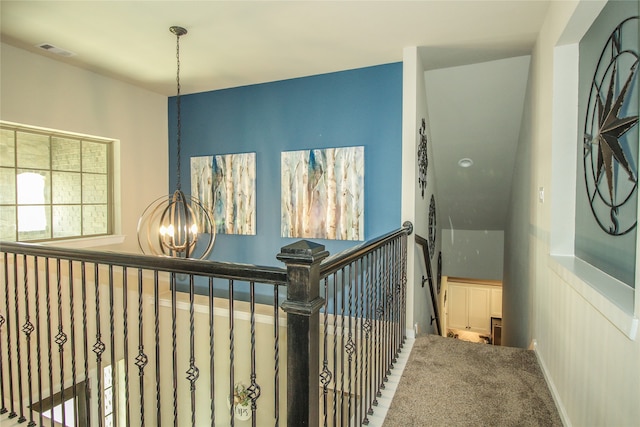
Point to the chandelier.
(176, 225)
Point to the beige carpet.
(449, 382)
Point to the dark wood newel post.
(303, 331)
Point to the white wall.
(473, 253)
(415, 206)
(590, 361)
(46, 93)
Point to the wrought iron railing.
(134, 340)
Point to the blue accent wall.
(360, 107)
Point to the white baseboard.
(384, 402)
(564, 417)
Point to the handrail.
(337, 261)
(434, 301)
(224, 270)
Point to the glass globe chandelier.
(177, 225)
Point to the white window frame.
(113, 235)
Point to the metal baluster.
(125, 335)
(254, 388)
(377, 334)
(28, 328)
(212, 375)
(385, 303)
(388, 314)
(396, 297)
(231, 356)
(342, 344)
(325, 375)
(276, 349)
(49, 332)
(3, 320)
(73, 343)
(85, 336)
(404, 284)
(360, 331)
(61, 339)
(98, 347)
(12, 413)
(16, 306)
(156, 308)
(141, 358)
(174, 355)
(112, 327)
(193, 372)
(335, 348)
(367, 347)
(38, 337)
(392, 313)
(349, 347)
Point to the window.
(54, 185)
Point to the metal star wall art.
(611, 128)
(610, 144)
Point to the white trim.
(592, 284)
(86, 242)
(239, 312)
(384, 402)
(564, 417)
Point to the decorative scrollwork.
(366, 327)
(193, 373)
(423, 160)
(98, 348)
(432, 226)
(28, 328)
(350, 347)
(141, 360)
(60, 338)
(253, 391)
(325, 377)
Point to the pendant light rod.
(178, 31)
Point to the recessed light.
(465, 163)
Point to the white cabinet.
(496, 302)
(469, 308)
(457, 308)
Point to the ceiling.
(237, 43)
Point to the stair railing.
(190, 342)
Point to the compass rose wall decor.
(606, 230)
(610, 175)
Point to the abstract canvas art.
(323, 193)
(226, 186)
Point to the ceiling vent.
(53, 49)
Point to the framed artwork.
(323, 193)
(226, 186)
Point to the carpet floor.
(449, 382)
